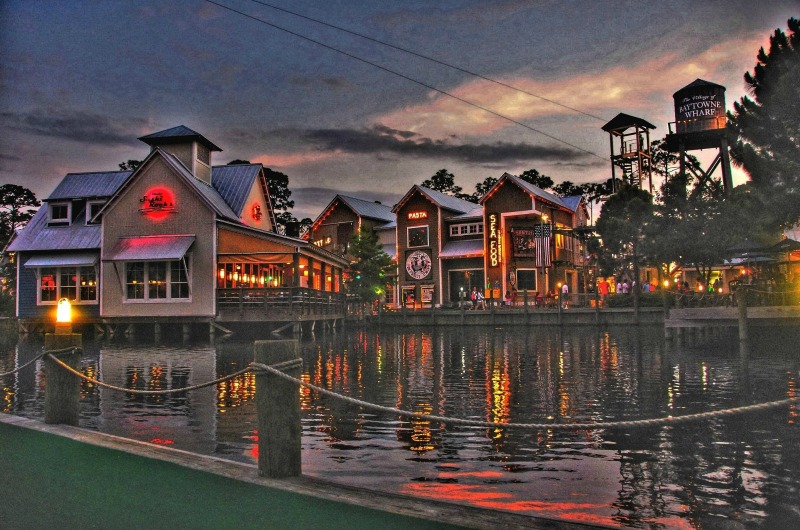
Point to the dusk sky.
(80, 81)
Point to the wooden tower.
(632, 155)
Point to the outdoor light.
(666, 283)
(63, 317)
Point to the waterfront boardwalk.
(66, 477)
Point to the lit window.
(76, 284)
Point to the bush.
(7, 306)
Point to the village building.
(427, 253)
(532, 240)
(178, 240)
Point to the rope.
(297, 363)
(55, 352)
(23, 366)
(535, 426)
(148, 392)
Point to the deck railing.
(290, 300)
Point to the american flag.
(542, 235)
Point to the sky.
(339, 113)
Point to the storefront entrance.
(464, 280)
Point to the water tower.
(633, 153)
(700, 122)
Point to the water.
(729, 472)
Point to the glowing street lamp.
(63, 317)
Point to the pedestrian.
(473, 296)
(625, 287)
(564, 295)
(479, 300)
(603, 288)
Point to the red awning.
(146, 248)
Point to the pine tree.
(366, 276)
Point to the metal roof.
(144, 248)
(211, 196)
(37, 235)
(234, 183)
(623, 121)
(369, 209)
(536, 191)
(177, 133)
(63, 259)
(573, 202)
(440, 199)
(475, 213)
(89, 185)
(468, 248)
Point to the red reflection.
(162, 441)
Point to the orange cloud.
(625, 88)
(295, 159)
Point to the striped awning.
(470, 248)
(146, 248)
(63, 259)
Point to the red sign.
(413, 216)
(256, 211)
(157, 203)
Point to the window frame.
(59, 221)
(148, 288)
(427, 236)
(58, 276)
(466, 229)
(90, 215)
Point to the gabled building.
(169, 242)
(425, 219)
(530, 239)
(345, 216)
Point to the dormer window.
(60, 213)
(92, 210)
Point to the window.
(77, 284)
(92, 209)
(156, 280)
(526, 279)
(60, 213)
(418, 236)
(466, 229)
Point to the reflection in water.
(743, 469)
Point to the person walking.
(564, 295)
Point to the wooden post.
(741, 302)
(278, 411)
(62, 396)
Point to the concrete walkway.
(70, 478)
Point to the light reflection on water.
(740, 470)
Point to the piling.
(741, 302)
(62, 396)
(278, 411)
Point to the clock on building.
(418, 264)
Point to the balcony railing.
(299, 301)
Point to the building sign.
(495, 241)
(523, 243)
(418, 264)
(255, 211)
(157, 203)
(413, 216)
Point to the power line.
(394, 72)
(428, 58)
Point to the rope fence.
(277, 370)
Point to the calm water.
(735, 472)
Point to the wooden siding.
(418, 203)
(27, 291)
(191, 216)
(257, 197)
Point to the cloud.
(293, 159)
(382, 140)
(630, 87)
(77, 126)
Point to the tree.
(366, 275)
(537, 179)
(130, 165)
(623, 226)
(482, 188)
(443, 181)
(767, 126)
(17, 205)
(568, 189)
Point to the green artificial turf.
(47, 481)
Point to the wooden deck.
(709, 317)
